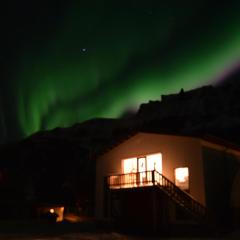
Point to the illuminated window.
(130, 165)
(154, 162)
(143, 167)
(142, 164)
(182, 178)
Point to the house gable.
(177, 151)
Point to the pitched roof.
(206, 138)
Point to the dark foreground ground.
(33, 230)
(100, 236)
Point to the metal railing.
(154, 178)
(181, 197)
(130, 180)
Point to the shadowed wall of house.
(220, 170)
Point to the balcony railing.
(154, 178)
(131, 180)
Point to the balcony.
(154, 178)
(134, 180)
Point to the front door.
(142, 170)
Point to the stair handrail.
(179, 195)
(157, 179)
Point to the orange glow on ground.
(59, 211)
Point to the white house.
(154, 179)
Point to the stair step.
(183, 199)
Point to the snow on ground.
(77, 236)
(102, 236)
(105, 236)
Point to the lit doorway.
(142, 170)
(138, 171)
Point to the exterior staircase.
(155, 179)
(180, 197)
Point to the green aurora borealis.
(100, 58)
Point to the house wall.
(235, 199)
(220, 170)
(150, 214)
(176, 152)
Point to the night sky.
(64, 61)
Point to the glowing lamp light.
(182, 178)
(51, 210)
